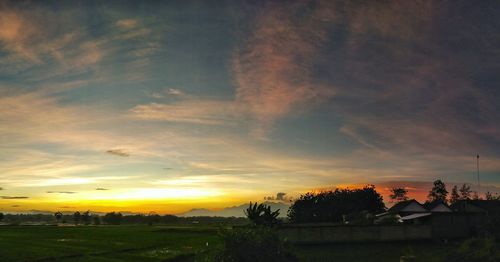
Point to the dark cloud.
(118, 152)
(1, 188)
(15, 206)
(61, 192)
(100, 188)
(13, 197)
(280, 196)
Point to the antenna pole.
(478, 181)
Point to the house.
(488, 207)
(408, 207)
(437, 206)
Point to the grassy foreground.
(173, 243)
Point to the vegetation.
(398, 194)
(438, 192)
(254, 244)
(333, 206)
(262, 215)
(476, 250)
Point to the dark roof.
(492, 207)
(434, 204)
(401, 205)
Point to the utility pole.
(478, 181)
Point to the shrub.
(476, 250)
(262, 215)
(254, 244)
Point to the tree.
(58, 216)
(454, 195)
(86, 217)
(438, 192)
(398, 194)
(113, 218)
(465, 192)
(1, 216)
(76, 217)
(261, 214)
(97, 220)
(332, 206)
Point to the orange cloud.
(272, 70)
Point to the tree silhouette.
(58, 216)
(86, 217)
(76, 217)
(438, 192)
(398, 194)
(261, 214)
(333, 206)
(465, 192)
(1, 216)
(113, 218)
(454, 195)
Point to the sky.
(167, 106)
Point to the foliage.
(261, 214)
(253, 244)
(476, 250)
(438, 192)
(454, 195)
(113, 218)
(58, 216)
(76, 217)
(465, 192)
(489, 196)
(398, 194)
(331, 206)
(1, 216)
(86, 217)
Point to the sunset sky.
(171, 105)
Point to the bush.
(476, 250)
(254, 244)
(262, 215)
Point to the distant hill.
(234, 211)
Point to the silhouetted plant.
(86, 217)
(438, 192)
(97, 220)
(454, 195)
(332, 206)
(398, 194)
(113, 218)
(476, 250)
(58, 216)
(1, 216)
(76, 217)
(465, 192)
(261, 214)
(254, 244)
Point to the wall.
(328, 233)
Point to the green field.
(172, 243)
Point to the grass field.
(172, 243)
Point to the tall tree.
(76, 217)
(465, 192)
(438, 192)
(398, 194)
(454, 195)
(332, 206)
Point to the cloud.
(280, 196)
(126, 23)
(101, 189)
(175, 92)
(195, 111)
(273, 69)
(61, 192)
(1, 188)
(14, 197)
(118, 152)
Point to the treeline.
(114, 218)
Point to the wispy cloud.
(273, 69)
(118, 152)
(14, 197)
(127, 23)
(101, 189)
(61, 192)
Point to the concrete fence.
(329, 233)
